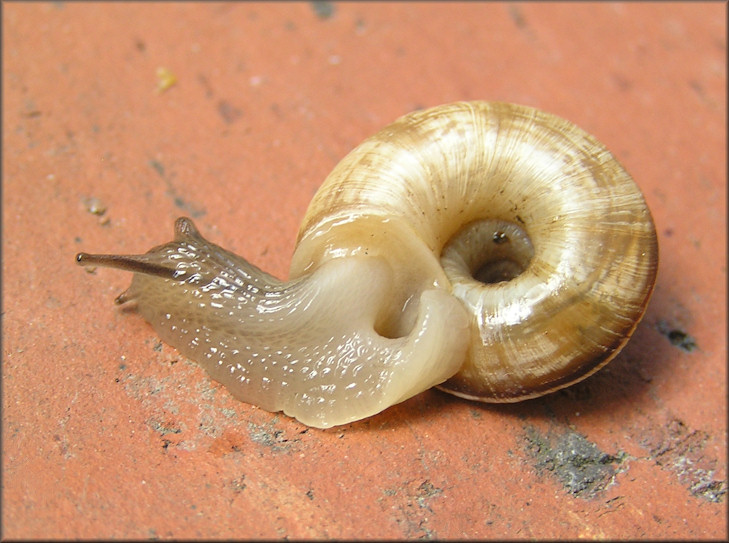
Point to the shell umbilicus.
(491, 249)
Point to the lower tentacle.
(309, 348)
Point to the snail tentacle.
(309, 347)
(493, 250)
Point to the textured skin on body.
(307, 348)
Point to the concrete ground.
(118, 118)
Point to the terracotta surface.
(108, 433)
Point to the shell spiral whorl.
(492, 249)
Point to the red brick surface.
(108, 433)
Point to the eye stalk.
(307, 347)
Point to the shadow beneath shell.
(625, 381)
(426, 406)
(662, 341)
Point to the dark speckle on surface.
(323, 10)
(578, 464)
(158, 167)
(517, 16)
(229, 112)
(676, 447)
(677, 337)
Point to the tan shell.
(508, 179)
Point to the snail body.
(493, 250)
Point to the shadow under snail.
(490, 249)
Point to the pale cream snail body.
(491, 249)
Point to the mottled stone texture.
(117, 118)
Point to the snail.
(493, 250)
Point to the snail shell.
(492, 249)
